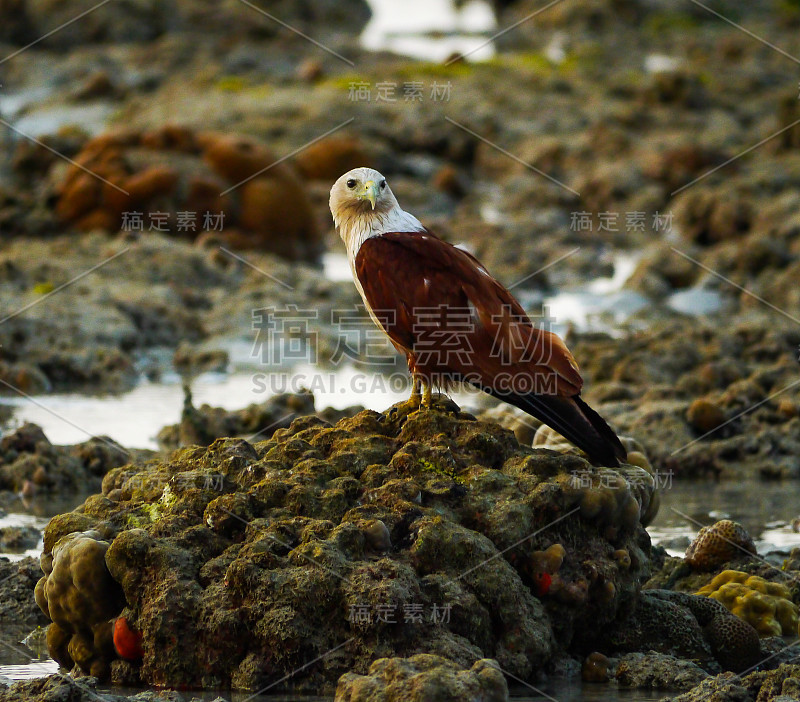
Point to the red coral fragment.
(127, 641)
(541, 583)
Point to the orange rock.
(111, 161)
(153, 181)
(328, 158)
(79, 197)
(108, 163)
(595, 668)
(159, 170)
(279, 214)
(114, 198)
(103, 142)
(235, 157)
(171, 136)
(704, 415)
(204, 196)
(98, 219)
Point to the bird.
(454, 322)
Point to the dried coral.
(718, 544)
(688, 626)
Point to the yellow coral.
(765, 605)
(549, 560)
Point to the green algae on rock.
(423, 677)
(658, 670)
(382, 536)
(779, 685)
(29, 461)
(63, 687)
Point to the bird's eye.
(351, 183)
(383, 184)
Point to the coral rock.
(595, 668)
(718, 544)
(658, 670)
(421, 678)
(733, 642)
(399, 535)
(80, 597)
(765, 605)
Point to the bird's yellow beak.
(371, 192)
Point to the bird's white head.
(359, 192)
(363, 205)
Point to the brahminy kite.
(454, 322)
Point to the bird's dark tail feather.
(575, 420)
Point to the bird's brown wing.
(406, 276)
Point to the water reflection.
(765, 509)
(430, 29)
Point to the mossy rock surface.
(383, 536)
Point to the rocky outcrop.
(423, 677)
(30, 463)
(144, 20)
(779, 685)
(382, 536)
